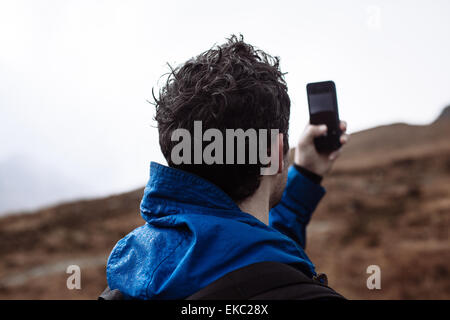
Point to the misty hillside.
(26, 183)
(445, 115)
(387, 203)
(396, 141)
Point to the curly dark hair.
(234, 85)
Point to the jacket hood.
(193, 235)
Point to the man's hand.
(306, 154)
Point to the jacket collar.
(171, 190)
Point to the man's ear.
(280, 153)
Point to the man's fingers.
(313, 131)
(344, 138)
(343, 126)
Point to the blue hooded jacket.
(195, 233)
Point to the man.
(216, 230)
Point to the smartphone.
(323, 109)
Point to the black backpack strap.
(265, 280)
(109, 294)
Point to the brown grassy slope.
(388, 203)
(35, 249)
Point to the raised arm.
(303, 191)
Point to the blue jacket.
(195, 233)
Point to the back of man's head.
(230, 86)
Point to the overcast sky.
(75, 75)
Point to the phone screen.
(321, 102)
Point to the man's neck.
(258, 203)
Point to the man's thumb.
(314, 131)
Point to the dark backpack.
(258, 281)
